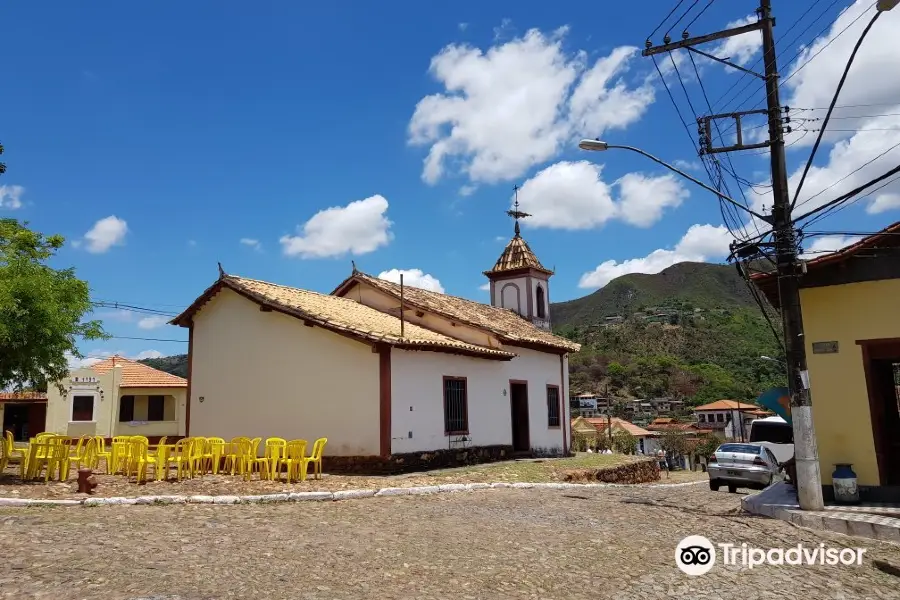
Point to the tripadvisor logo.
(696, 555)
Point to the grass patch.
(529, 470)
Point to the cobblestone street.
(508, 543)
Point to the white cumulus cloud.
(413, 277)
(512, 106)
(153, 322)
(850, 163)
(701, 243)
(573, 195)
(868, 81)
(251, 243)
(105, 234)
(11, 196)
(826, 244)
(740, 49)
(358, 228)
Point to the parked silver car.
(742, 465)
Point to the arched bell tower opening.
(519, 281)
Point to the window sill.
(554, 427)
(449, 433)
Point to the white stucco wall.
(535, 282)
(506, 295)
(417, 398)
(265, 374)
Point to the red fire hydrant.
(86, 481)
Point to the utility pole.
(809, 488)
(806, 453)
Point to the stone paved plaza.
(505, 543)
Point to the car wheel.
(732, 489)
(714, 485)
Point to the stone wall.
(415, 461)
(640, 471)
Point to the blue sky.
(285, 139)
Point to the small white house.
(388, 375)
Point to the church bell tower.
(518, 280)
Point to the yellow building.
(118, 397)
(851, 316)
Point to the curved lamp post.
(600, 146)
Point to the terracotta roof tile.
(601, 423)
(517, 255)
(509, 326)
(135, 374)
(727, 405)
(22, 396)
(341, 315)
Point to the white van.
(775, 434)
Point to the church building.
(395, 377)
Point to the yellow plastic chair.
(237, 457)
(51, 456)
(236, 454)
(197, 457)
(13, 453)
(213, 454)
(180, 458)
(294, 453)
(315, 459)
(254, 454)
(119, 454)
(274, 451)
(76, 455)
(100, 453)
(140, 457)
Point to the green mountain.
(694, 285)
(176, 365)
(691, 332)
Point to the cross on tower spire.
(516, 213)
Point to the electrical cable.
(683, 15)
(837, 93)
(727, 156)
(859, 168)
(699, 14)
(779, 55)
(668, 16)
(735, 220)
(843, 198)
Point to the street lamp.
(600, 146)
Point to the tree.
(673, 443)
(706, 445)
(623, 442)
(41, 309)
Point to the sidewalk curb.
(319, 496)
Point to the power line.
(668, 16)
(856, 170)
(125, 337)
(780, 54)
(851, 194)
(831, 41)
(683, 15)
(727, 156)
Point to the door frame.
(885, 348)
(512, 414)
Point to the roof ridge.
(490, 306)
(288, 287)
